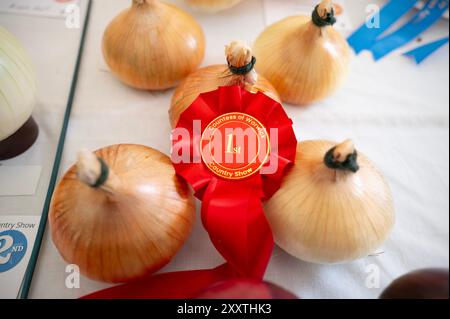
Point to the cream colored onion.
(153, 45)
(17, 85)
(306, 63)
(331, 213)
(123, 219)
(211, 77)
(213, 5)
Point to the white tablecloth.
(396, 112)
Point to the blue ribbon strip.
(425, 18)
(421, 53)
(365, 36)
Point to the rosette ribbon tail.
(233, 215)
(173, 285)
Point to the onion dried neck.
(94, 172)
(241, 61)
(343, 157)
(323, 14)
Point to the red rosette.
(232, 211)
(231, 192)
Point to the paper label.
(46, 8)
(17, 236)
(276, 10)
(19, 180)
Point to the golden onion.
(122, 213)
(153, 45)
(334, 206)
(303, 57)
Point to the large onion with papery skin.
(122, 213)
(303, 57)
(153, 45)
(17, 85)
(334, 206)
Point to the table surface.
(396, 112)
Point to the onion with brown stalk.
(334, 206)
(213, 5)
(153, 45)
(305, 58)
(121, 213)
(239, 70)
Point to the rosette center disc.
(235, 146)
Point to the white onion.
(17, 85)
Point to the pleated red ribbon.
(232, 210)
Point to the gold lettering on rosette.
(235, 146)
